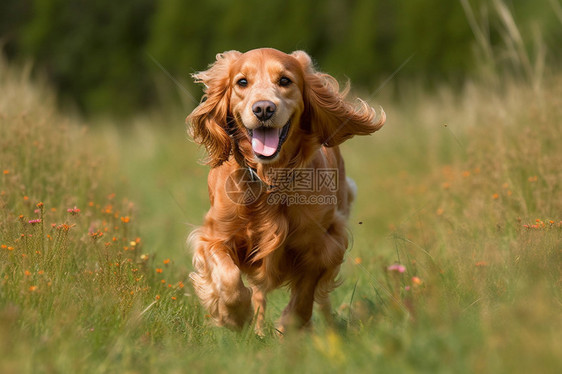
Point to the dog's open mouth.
(267, 141)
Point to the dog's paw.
(235, 310)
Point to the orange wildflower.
(417, 281)
(158, 270)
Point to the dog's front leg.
(299, 311)
(218, 283)
(258, 301)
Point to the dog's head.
(270, 107)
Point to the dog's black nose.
(264, 109)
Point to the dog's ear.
(208, 122)
(327, 114)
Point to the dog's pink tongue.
(265, 141)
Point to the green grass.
(445, 189)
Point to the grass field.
(463, 189)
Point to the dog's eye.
(242, 82)
(284, 82)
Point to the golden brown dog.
(279, 197)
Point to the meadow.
(455, 264)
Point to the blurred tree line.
(101, 55)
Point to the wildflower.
(166, 261)
(180, 284)
(481, 264)
(396, 267)
(94, 235)
(532, 179)
(27, 273)
(174, 298)
(163, 281)
(3, 246)
(26, 198)
(144, 257)
(416, 281)
(64, 227)
(40, 272)
(495, 196)
(440, 211)
(358, 260)
(125, 219)
(10, 248)
(33, 288)
(6, 172)
(39, 205)
(157, 297)
(91, 204)
(133, 243)
(466, 173)
(158, 270)
(34, 221)
(74, 211)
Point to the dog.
(279, 198)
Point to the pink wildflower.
(73, 211)
(396, 267)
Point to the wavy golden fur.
(265, 116)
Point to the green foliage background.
(98, 53)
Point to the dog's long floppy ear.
(208, 122)
(328, 114)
